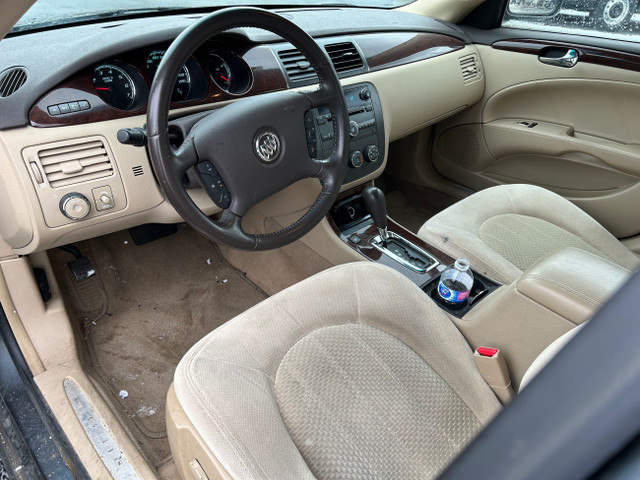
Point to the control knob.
(75, 206)
(365, 94)
(356, 159)
(371, 153)
(354, 128)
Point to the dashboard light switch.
(103, 198)
(53, 110)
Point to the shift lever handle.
(374, 201)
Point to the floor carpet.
(144, 308)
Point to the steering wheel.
(256, 144)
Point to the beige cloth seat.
(351, 374)
(504, 230)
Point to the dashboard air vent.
(137, 170)
(75, 163)
(11, 80)
(470, 68)
(344, 56)
(296, 65)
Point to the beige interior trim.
(572, 283)
(633, 244)
(11, 13)
(17, 327)
(188, 446)
(585, 147)
(513, 323)
(52, 387)
(412, 96)
(447, 10)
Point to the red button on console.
(486, 351)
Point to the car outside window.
(48, 13)
(618, 19)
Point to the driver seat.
(353, 373)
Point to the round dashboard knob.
(365, 94)
(371, 153)
(75, 206)
(356, 159)
(354, 128)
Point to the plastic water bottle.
(456, 282)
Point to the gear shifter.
(374, 201)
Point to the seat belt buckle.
(493, 368)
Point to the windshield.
(47, 13)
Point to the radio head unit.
(366, 130)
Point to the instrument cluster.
(125, 85)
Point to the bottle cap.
(462, 264)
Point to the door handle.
(556, 57)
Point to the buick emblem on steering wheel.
(267, 146)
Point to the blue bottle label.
(451, 295)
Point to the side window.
(619, 19)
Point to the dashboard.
(223, 69)
(66, 176)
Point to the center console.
(520, 319)
(359, 218)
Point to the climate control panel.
(366, 131)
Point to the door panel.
(574, 130)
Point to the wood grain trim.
(393, 49)
(586, 53)
(266, 73)
(365, 249)
(383, 50)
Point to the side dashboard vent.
(345, 56)
(471, 70)
(137, 170)
(11, 80)
(75, 163)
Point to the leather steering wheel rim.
(259, 180)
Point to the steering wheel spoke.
(184, 157)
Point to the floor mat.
(159, 299)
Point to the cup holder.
(482, 287)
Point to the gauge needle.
(102, 88)
(224, 78)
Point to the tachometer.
(220, 72)
(114, 86)
(183, 82)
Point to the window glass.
(619, 19)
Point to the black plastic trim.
(487, 15)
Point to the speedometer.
(114, 86)
(183, 82)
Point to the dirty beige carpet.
(146, 306)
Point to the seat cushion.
(353, 373)
(504, 230)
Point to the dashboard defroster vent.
(470, 66)
(11, 80)
(345, 56)
(78, 162)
